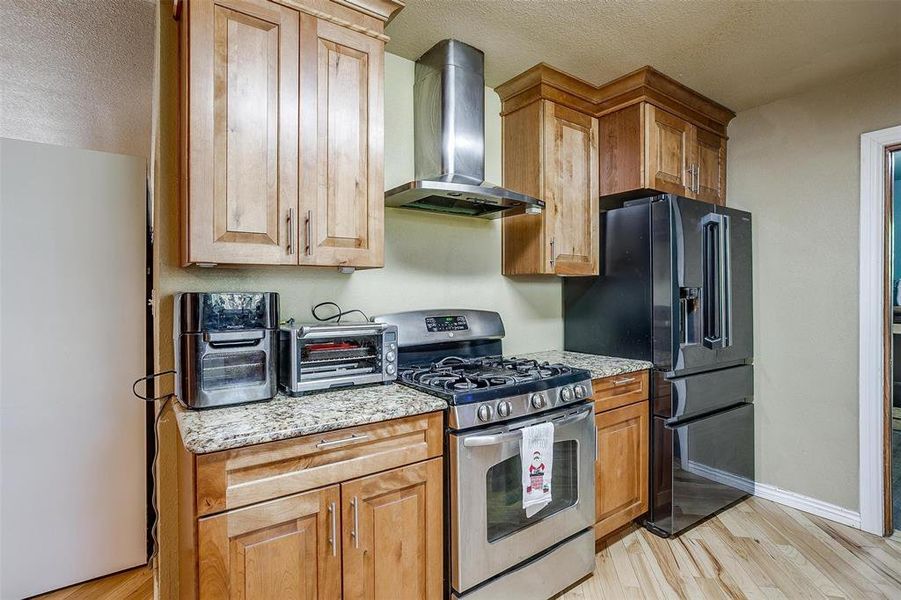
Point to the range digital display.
(446, 323)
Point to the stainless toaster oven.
(226, 346)
(330, 355)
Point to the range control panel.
(446, 323)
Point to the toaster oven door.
(222, 368)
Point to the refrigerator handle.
(725, 281)
(714, 281)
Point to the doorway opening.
(893, 450)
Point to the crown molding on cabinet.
(646, 84)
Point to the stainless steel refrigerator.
(675, 289)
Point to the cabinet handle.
(697, 179)
(355, 532)
(309, 233)
(333, 532)
(290, 246)
(553, 251)
(623, 381)
(348, 440)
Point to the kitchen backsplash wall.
(430, 260)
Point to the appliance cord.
(337, 316)
(154, 531)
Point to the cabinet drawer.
(243, 476)
(619, 390)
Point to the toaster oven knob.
(484, 413)
(504, 409)
(566, 394)
(390, 369)
(389, 356)
(538, 400)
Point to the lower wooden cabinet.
(284, 548)
(623, 434)
(380, 536)
(393, 533)
(356, 513)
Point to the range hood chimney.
(449, 140)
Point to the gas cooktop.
(464, 380)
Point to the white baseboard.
(780, 496)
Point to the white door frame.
(872, 323)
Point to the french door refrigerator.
(675, 289)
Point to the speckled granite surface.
(599, 366)
(284, 417)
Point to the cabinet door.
(393, 534)
(710, 164)
(571, 190)
(242, 132)
(621, 492)
(287, 548)
(667, 150)
(342, 195)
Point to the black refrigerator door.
(701, 266)
(739, 346)
(699, 467)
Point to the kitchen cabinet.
(555, 159)
(281, 131)
(654, 135)
(285, 548)
(394, 545)
(353, 513)
(661, 152)
(623, 433)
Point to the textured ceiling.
(739, 53)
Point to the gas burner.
(456, 376)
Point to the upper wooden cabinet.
(551, 152)
(281, 126)
(654, 134)
(645, 148)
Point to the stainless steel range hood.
(449, 140)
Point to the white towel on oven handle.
(536, 451)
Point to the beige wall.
(430, 260)
(795, 164)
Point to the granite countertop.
(598, 365)
(283, 417)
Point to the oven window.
(504, 489)
(233, 369)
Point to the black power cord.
(338, 314)
(154, 533)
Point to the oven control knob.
(504, 409)
(580, 391)
(538, 400)
(566, 394)
(484, 413)
(389, 356)
(390, 369)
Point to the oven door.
(490, 531)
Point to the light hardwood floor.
(756, 549)
(136, 584)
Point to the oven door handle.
(500, 438)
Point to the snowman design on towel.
(536, 474)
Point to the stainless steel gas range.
(495, 550)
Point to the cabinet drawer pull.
(333, 532)
(355, 532)
(623, 381)
(348, 440)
